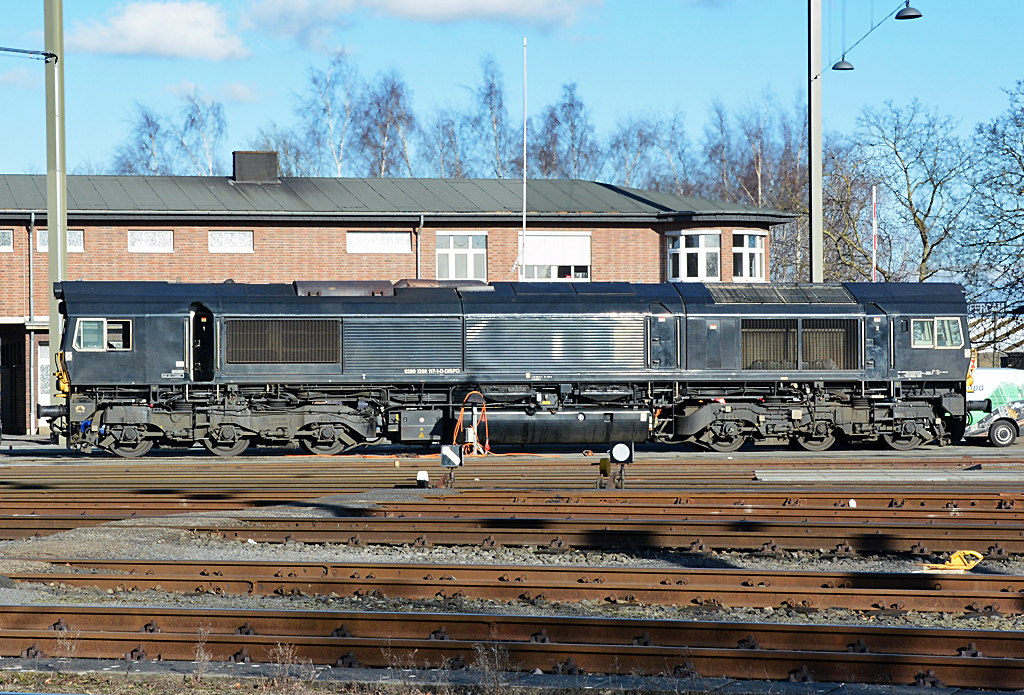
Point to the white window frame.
(213, 247)
(43, 241)
(701, 251)
(935, 333)
(5, 247)
(748, 255)
(378, 242)
(148, 248)
(472, 253)
(77, 342)
(578, 272)
(79, 324)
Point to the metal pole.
(522, 238)
(56, 182)
(874, 233)
(419, 241)
(816, 256)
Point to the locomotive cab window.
(99, 335)
(119, 335)
(942, 332)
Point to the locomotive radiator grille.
(769, 344)
(830, 344)
(825, 344)
(283, 341)
(595, 344)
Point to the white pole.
(816, 241)
(874, 233)
(522, 238)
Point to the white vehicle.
(995, 401)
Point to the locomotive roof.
(136, 298)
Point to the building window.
(694, 257)
(230, 242)
(461, 256)
(748, 257)
(6, 240)
(76, 241)
(150, 241)
(378, 242)
(554, 257)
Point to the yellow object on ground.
(960, 562)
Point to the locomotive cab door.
(663, 338)
(203, 343)
(877, 345)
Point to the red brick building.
(253, 227)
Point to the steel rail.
(596, 645)
(969, 594)
(885, 536)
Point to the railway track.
(944, 534)
(971, 595)
(320, 475)
(562, 645)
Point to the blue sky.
(643, 56)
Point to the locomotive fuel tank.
(579, 426)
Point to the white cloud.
(182, 89)
(311, 21)
(239, 92)
(21, 77)
(190, 29)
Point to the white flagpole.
(522, 239)
(874, 234)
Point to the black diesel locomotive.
(329, 366)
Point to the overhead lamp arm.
(45, 55)
(903, 8)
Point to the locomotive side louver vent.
(283, 341)
(403, 345)
(590, 344)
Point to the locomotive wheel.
(226, 449)
(319, 448)
(132, 450)
(727, 444)
(808, 443)
(902, 442)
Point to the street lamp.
(816, 241)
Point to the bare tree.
(927, 169)
(385, 127)
(199, 138)
(492, 122)
(673, 165)
(996, 249)
(145, 150)
(447, 145)
(631, 151)
(294, 158)
(564, 145)
(328, 112)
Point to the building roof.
(320, 200)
